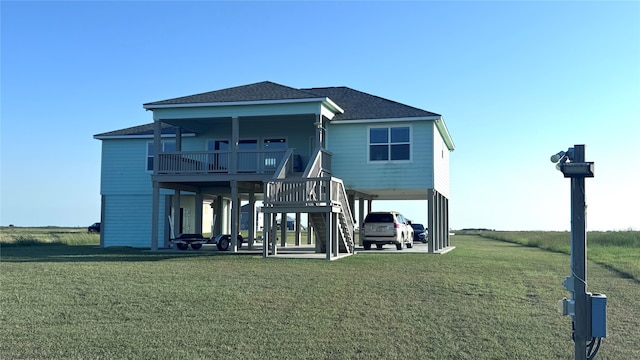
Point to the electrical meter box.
(598, 304)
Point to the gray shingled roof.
(143, 130)
(357, 105)
(261, 91)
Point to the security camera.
(555, 158)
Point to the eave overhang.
(328, 103)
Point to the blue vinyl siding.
(127, 220)
(348, 143)
(124, 164)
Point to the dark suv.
(419, 233)
(387, 227)
(95, 228)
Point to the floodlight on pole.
(587, 310)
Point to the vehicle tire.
(182, 246)
(367, 245)
(400, 245)
(410, 244)
(379, 246)
(196, 246)
(223, 243)
(240, 239)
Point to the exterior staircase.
(320, 196)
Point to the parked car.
(386, 227)
(419, 233)
(94, 228)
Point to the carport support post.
(199, 201)
(176, 213)
(430, 217)
(360, 219)
(328, 234)
(266, 235)
(252, 218)
(297, 229)
(283, 229)
(235, 211)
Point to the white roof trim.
(256, 102)
(367, 121)
(150, 136)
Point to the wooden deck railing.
(203, 162)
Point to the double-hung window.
(390, 143)
(167, 146)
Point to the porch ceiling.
(394, 194)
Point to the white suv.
(386, 227)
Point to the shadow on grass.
(57, 252)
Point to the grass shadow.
(57, 252)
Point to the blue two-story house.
(314, 151)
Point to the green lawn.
(485, 300)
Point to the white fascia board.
(240, 103)
(333, 106)
(444, 132)
(370, 121)
(107, 137)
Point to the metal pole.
(579, 258)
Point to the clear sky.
(515, 81)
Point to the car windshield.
(417, 226)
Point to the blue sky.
(515, 81)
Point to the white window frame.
(150, 146)
(389, 143)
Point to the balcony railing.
(207, 162)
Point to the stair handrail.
(281, 171)
(344, 204)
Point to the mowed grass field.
(487, 299)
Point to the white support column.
(446, 222)
(273, 231)
(318, 130)
(360, 219)
(235, 140)
(198, 213)
(328, 234)
(252, 218)
(334, 235)
(430, 220)
(266, 234)
(165, 219)
(218, 227)
(178, 138)
(297, 229)
(283, 229)
(176, 213)
(235, 206)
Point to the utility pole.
(587, 310)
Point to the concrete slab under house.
(267, 152)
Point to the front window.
(167, 146)
(389, 143)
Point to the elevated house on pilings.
(314, 151)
